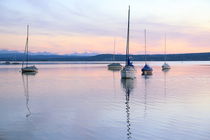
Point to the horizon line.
(88, 53)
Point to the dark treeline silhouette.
(107, 57)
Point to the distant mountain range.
(4, 51)
(8, 51)
(7, 55)
(83, 54)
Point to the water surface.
(88, 102)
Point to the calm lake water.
(89, 102)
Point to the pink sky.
(66, 27)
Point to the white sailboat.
(114, 66)
(165, 66)
(128, 71)
(25, 66)
(146, 70)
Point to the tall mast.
(27, 45)
(145, 46)
(165, 48)
(26, 48)
(114, 51)
(128, 37)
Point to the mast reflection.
(165, 72)
(114, 70)
(26, 90)
(114, 79)
(128, 86)
(146, 77)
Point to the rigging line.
(145, 46)
(128, 36)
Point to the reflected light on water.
(87, 101)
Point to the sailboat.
(25, 66)
(114, 66)
(128, 71)
(146, 70)
(165, 66)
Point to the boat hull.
(114, 67)
(146, 72)
(29, 69)
(128, 73)
(165, 66)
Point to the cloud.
(101, 21)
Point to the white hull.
(165, 66)
(128, 72)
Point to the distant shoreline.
(108, 57)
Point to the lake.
(75, 101)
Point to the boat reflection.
(114, 70)
(146, 77)
(165, 81)
(165, 70)
(26, 89)
(128, 86)
(114, 82)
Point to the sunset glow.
(70, 26)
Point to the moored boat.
(29, 69)
(25, 66)
(114, 66)
(146, 70)
(165, 65)
(128, 71)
